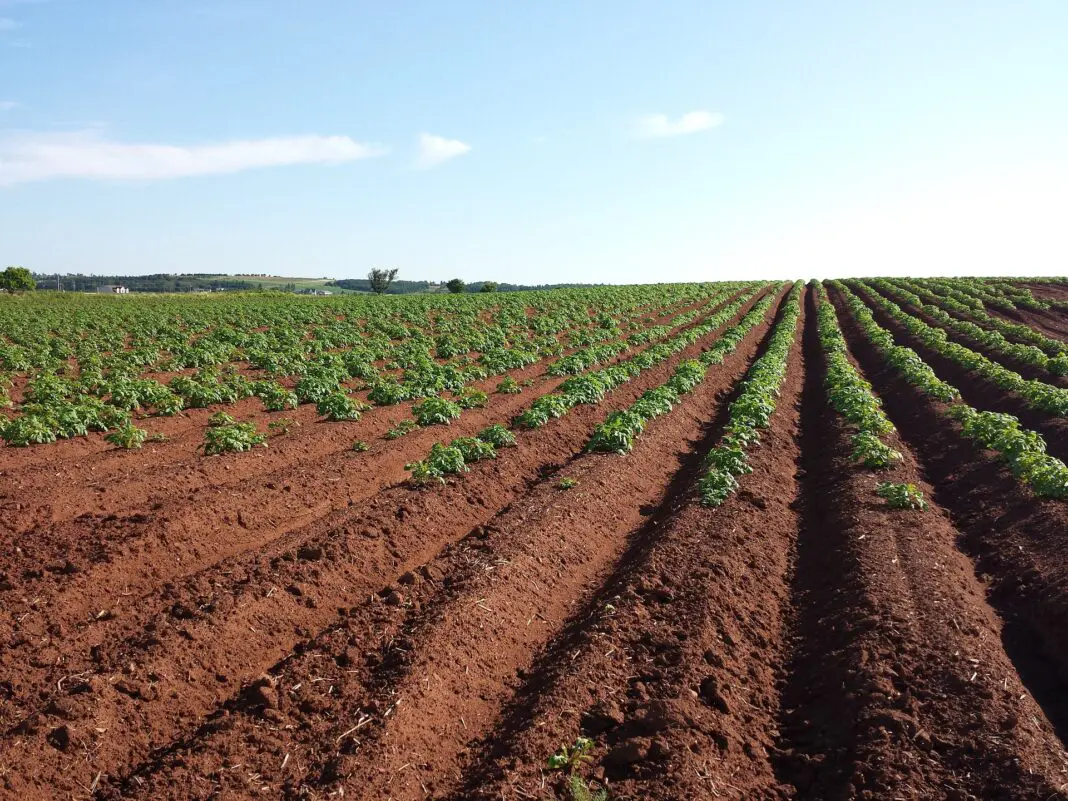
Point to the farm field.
(721, 540)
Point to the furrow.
(182, 648)
(1012, 537)
(82, 565)
(670, 669)
(897, 684)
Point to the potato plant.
(1023, 450)
(751, 411)
(850, 395)
(127, 436)
(1036, 394)
(225, 435)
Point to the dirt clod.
(61, 737)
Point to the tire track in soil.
(1051, 322)
(116, 482)
(155, 669)
(671, 665)
(976, 390)
(446, 651)
(1014, 539)
(898, 685)
(1044, 291)
(82, 566)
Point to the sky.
(535, 142)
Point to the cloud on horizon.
(435, 150)
(27, 157)
(658, 126)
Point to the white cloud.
(40, 156)
(7, 105)
(7, 24)
(657, 126)
(435, 150)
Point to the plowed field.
(310, 620)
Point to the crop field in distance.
(683, 541)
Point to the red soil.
(181, 637)
(208, 635)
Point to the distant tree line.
(160, 282)
(206, 282)
(399, 287)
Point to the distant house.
(113, 289)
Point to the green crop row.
(1024, 451)
(751, 411)
(993, 340)
(1025, 334)
(1036, 394)
(850, 395)
(590, 388)
(88, 361)
(905, 360)
(619, 430)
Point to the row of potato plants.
(584, 359)
(622, 426)
(102, 390)
(591, 387)
(1053, 348)
(453, 458)
(1048, 303)
(442, 411)
(1036, 394)
(992, 340)
(47, 331)
(981, 291)
(751, 411)
(850, 394)
(423, 377)
(1023, 450)
(587, 388)
(1019, 296)
(1001, 294)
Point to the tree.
(17, 279)
(455, 286)
(380, 279)
(488, 286)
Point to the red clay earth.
(233, 504)
(208, 616)
(800, 641)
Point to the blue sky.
(534, 141)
